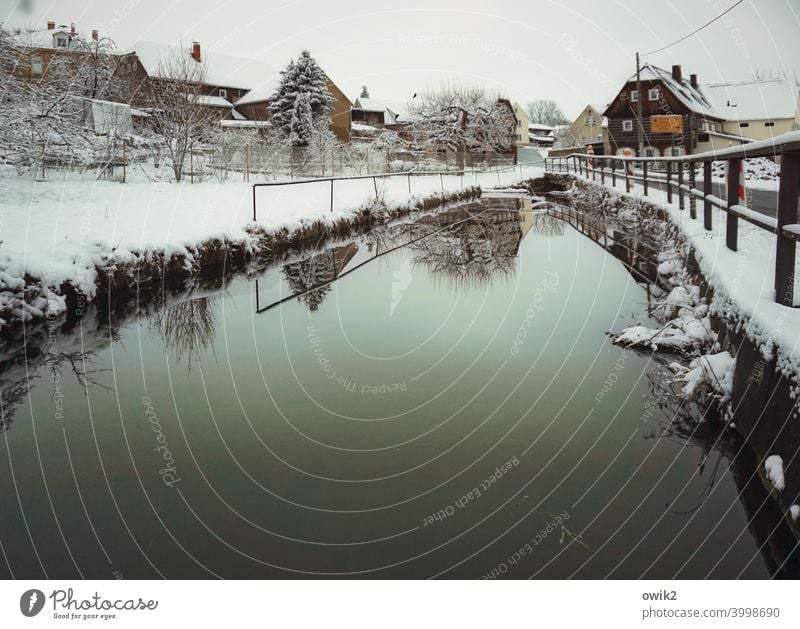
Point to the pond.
(445, 403)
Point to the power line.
(694, 32)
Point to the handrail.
(784, 226)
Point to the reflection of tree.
(10, 397)
(547, 225)
(473, 251)
(188, 327)
(309, 278)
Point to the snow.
(61, 231)
(754, 100)
(713, 370)
(794, 512)
(691, 97)
(221, 70)
(774, 468)
(208, 100)
(743, 280)
(245, 124)
(393, 111)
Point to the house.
(541, 135)
(40, 48)
(523, 121)
(676, 115)
(379, 113)
(752, 110)
(239, 89)
(587, 127)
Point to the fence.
(408, 175)
(785, 226)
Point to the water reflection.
(186, 328)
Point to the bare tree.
(462, 119)
(546, 111)
(179, 118)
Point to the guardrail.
(408, 174)
(786, 226)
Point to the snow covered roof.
(221, 70)
(540, 127)
(691, 97)
(245, 124)
(209, 101)
(44, 38)
(260, 93)
(394, 111)
(754, 100)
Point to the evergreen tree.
(301, 76)
(301, 127)
(364, 92)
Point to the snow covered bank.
(58, 234)
(743, 280)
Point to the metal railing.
(786, 226)
(408, 175)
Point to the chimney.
(51, 25)
(676, 73)
(72, 28)
(196, 51)
(96, 35)
(693, 80)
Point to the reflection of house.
(521, 133)
(663, 94)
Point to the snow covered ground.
(743, 280)
(60, 231)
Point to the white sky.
(574, 51)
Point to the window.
(627, 125)
(634, 96)
(61, 42)
(223, 93)
(592, 120)
(703, 137)
(744, 124)
(652, 94)
(769, 124)
(586, 121)
(651, 151)
(36, 65)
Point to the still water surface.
(452, 408)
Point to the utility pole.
(639, 107)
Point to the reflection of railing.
(786, 226)
(408, 175)
(411, 241)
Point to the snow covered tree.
(301, 76)
(364, 92)
(178, 117)
(462, 119)
(301, 126)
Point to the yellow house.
(751, 110)
(587, 128)
(521, 132)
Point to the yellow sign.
(666, 124)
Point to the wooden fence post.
(692, 186)
(644, 177)
(787, 215)
(707, 191)
(732, 229)
(681, 203)
(669, 181)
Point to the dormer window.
(61, 42)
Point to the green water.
(442, 410)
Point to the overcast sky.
(575, 51)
